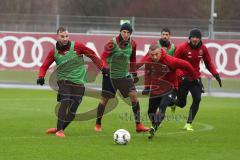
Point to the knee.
(74, 106)
(162, 109)
(103, 101)
(133, 97)
(181, 104)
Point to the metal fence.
(223, 29)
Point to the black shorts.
(162, 101)
(110, 86)
(69, 89)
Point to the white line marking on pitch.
(206, 127)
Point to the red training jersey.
(165, 70)
(194, 56)
(80, 49)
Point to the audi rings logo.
(19, 51)
(222, 65)
(16, 52)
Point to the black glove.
(218, 79)
(40, 81)
(105, 71)
(146, 91)
(135, 77)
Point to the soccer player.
(117, 55)
(161, 96)
(71, 76)
(193, 51)
(165, 43)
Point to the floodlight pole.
(57, 21)
(211, 20)
(133, 23)
(211, 36)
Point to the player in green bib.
(120, 57)
(165, 43)
(71, 76)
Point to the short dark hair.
(61, 29)
(166, 30)
(153, 47)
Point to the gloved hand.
(218, 79)
(146, 91)
(105, 71)
(40, 81)
(135, 77)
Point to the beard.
(195, 46)
(164, 43)
(123, 42)
(62, 47)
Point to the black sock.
(193, 111)
(159, 118)
(71, 113)
(100, 111)
(151, 117)
(62, 113)
(155, 126)
(136, 111)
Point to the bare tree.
(124, 8)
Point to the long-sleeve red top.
(147, 77)
(80, 49)
(165, 69)
(194, 56)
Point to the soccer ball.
(121, 136)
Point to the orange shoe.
(98, 128)
(141, 128)
(51, 131)
(60, 134)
